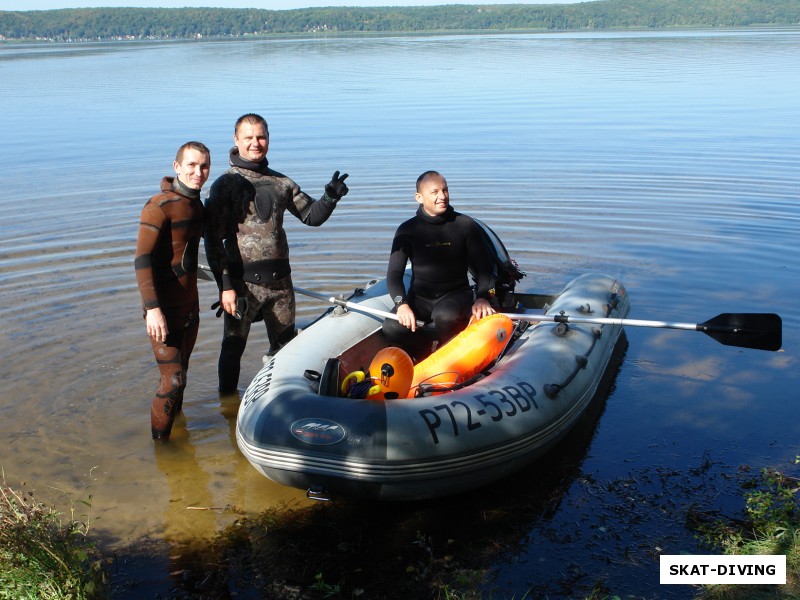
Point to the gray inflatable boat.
(298, 427)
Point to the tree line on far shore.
(83, 24)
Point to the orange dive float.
(464, 356)
(393, 375)
(388, 377)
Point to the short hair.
(251, 118)
(425, 175)
(199, 146)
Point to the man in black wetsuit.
(442, 246)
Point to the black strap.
(267, 271)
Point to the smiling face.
(192, 168)
(252, 140)
(433, 195)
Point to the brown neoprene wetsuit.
(170, 229)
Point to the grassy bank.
(770, 525)
(42, 555)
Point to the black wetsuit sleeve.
(481, 262)
(217, 209)
(309, 211)
(401, 252)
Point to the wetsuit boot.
(230, 358)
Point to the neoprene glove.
(337, 187)
(241, 307)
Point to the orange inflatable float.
(388, 377)
(464, 356)
(391, 372)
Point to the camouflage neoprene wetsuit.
(248, 252)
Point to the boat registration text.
(459, 416)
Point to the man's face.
(193, 169)
(433, 195)
(252, 141)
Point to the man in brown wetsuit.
(170, 229)
(246, 243)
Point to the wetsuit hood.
(445, 217)
(236, 160)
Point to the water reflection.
(209, 485)
(191, 509)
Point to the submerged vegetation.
(353, 550)
(391, 551)
(82, 24)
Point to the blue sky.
(269, 4)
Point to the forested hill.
(176, 23)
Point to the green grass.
(770, 525)
(41, 556)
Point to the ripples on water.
(669, 160)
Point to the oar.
(760, 331)
(351, 305)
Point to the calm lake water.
(670, 160)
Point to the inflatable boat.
(481, 407)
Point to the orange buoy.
(464, 356)
(391, 372)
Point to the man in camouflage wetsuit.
(170, 229)
(246, 244)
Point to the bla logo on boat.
(322, 432)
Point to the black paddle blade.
(760, 331)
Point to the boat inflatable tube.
(463, 357)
